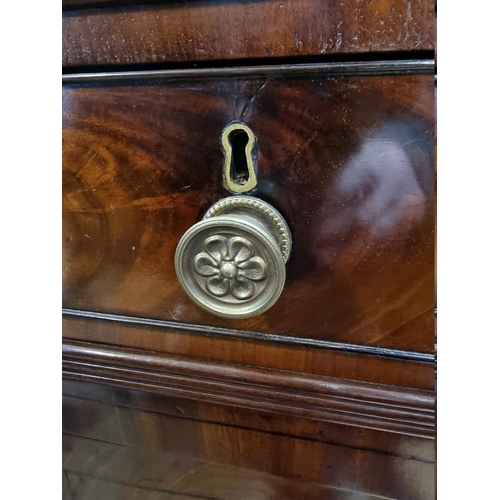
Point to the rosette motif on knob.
(230, 265)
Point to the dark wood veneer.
(401, 445)
(214, 30)
(347, 161)
(97, 424)
(329, 395)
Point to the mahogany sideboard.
(327, 393)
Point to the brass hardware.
(239, 145)
(232, 263)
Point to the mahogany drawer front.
(348, 161)
(207, 30)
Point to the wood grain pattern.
(326, 399)
(401, 445)
(91, 488)
(303, 460)
(115, 474)
(208, 30)
(231, 349)
(66, 492)
(347, 161)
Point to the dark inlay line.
(289, 60)
(267, 337)
(116, 5)
(68, 5)
(358, 68)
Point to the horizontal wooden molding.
(253, 335)
(353, 68)
(360, 404)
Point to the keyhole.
(239, 167)
(240, 150)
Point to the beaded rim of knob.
(270, 213)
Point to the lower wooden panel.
(238, 423)
(123, 472)
(214, 451)
(403, 446)
(90, 488)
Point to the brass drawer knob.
(232, 263)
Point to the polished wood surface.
(347, 161)
(181, 446)
(329, 395)
(326, 399)
(197, 479)
(228, 348)
(163, 475)
(403, 445)
(214, 30)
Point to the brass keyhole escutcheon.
(240, 148)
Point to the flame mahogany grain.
(162, 400)
(348, 161)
